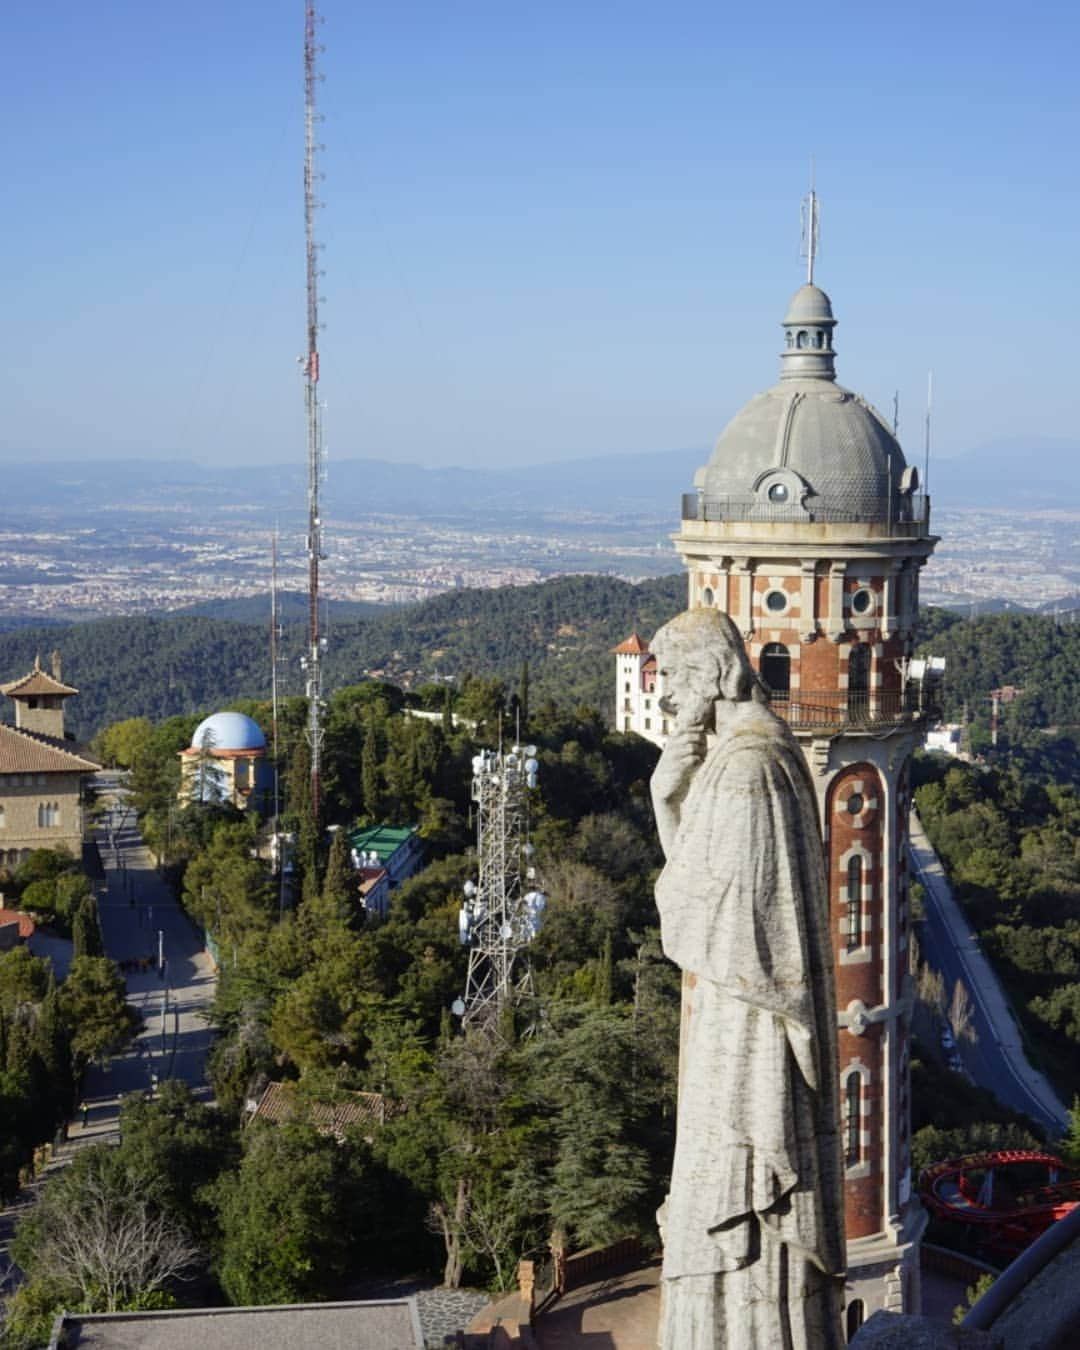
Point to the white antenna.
(811, 228)
(896, 413)
(929, 406)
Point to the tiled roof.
(37, 681)
(370, 878)
(633, 646)
(281, 1105)
(25, 752)
(25, 922)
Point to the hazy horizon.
(549, 235)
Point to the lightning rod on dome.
(811, 228)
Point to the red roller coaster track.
(1000, 1196)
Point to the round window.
(862, 602)
(707, 596)
(775, 602)
(779, 493)
(855, 803)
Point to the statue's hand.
(678, 763)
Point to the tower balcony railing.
(907, 514)
(844, 710)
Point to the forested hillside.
(186, 663)
(160, 666)
(1032, 652)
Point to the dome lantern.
(808, 326)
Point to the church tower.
(809, 529)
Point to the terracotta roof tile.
(280, 1104)
(36, 682)
(25, 922)
(25, 752)
(633, 646)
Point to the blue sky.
(551, 230)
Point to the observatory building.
(808, 527)
(226, 762)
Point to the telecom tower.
(312, 661)
(499, 917)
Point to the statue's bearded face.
(690, 684)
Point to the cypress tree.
(523, 695)
(86, 929)
(369, 775)
(338, 890)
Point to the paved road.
(139, 919)
(135, 907)
(996, 1060)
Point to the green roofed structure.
(393, 849)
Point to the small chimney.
(56, 666)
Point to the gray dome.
(807, 446)
(809, 304)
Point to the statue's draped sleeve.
(739, 884)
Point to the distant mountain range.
(1030, 474)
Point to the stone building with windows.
(809, 529)
(41, 776)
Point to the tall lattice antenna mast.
(316, 642)
(503, 908)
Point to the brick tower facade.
(808, 528)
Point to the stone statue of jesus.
(753, 1225)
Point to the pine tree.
(1070, 1143)
(448, 711)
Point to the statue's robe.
(753, 1232)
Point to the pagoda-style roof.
(633, 646)
(37, 682)
(25, 752)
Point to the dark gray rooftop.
(391, 1324)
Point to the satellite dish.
(458, 1007)
(530, 750)
(506, 932)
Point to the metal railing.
(905, 515)
(845, 709)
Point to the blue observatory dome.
(229, 731)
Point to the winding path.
(996, 1059)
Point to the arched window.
(803, 340)
(853, 929)
(858, 680)
(790, 340)
(855, 1314)
(852, 1119)
(819, 338)
(776, 668)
